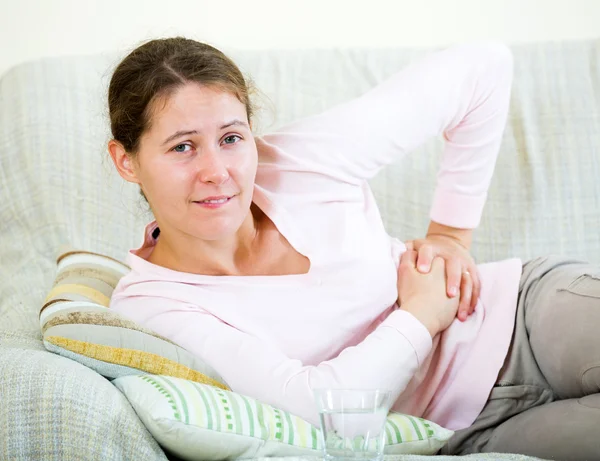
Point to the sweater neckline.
(280, 218)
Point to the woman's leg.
(563, 320)
(555, 355)
(562, 317)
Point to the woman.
(269, 260)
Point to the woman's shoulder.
(141, 295)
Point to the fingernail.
(423, 268)
(453, 291)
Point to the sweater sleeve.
(387, 358)
(461, 93)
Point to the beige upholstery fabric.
(481, 457)
(57, 187)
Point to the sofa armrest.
(56, 409)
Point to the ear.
(124, 164)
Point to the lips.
(217, 200)
(214, 198)
(214, 201)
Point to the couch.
(57, 186)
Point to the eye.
(231, 139)
(181, 148)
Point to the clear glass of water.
(352, 423)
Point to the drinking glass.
(352, 423)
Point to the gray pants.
(546, 402)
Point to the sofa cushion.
(200, 422)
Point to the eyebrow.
(180, 133)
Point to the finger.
(409, 245)
(439, 264)
(476, 288)
(466, 291)
(453, 276)
(426, 255)
(409, 258)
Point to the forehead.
(194, 106)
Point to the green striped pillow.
(199, 422)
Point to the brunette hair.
(155, 70)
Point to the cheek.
(163, 181)
(243, 168)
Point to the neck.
(228, 256)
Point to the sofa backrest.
(57, 184)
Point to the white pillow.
(199, 422)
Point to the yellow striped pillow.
(77, 323)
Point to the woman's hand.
(424, 295)
(461, 271)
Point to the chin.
(213, 237)
(216, 231)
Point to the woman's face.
(197, 162)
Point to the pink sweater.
(275, 338)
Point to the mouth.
(214, 202)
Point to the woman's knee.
(562, 430)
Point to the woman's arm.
(387, 358)
(461, 93)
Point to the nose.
(212, 169)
